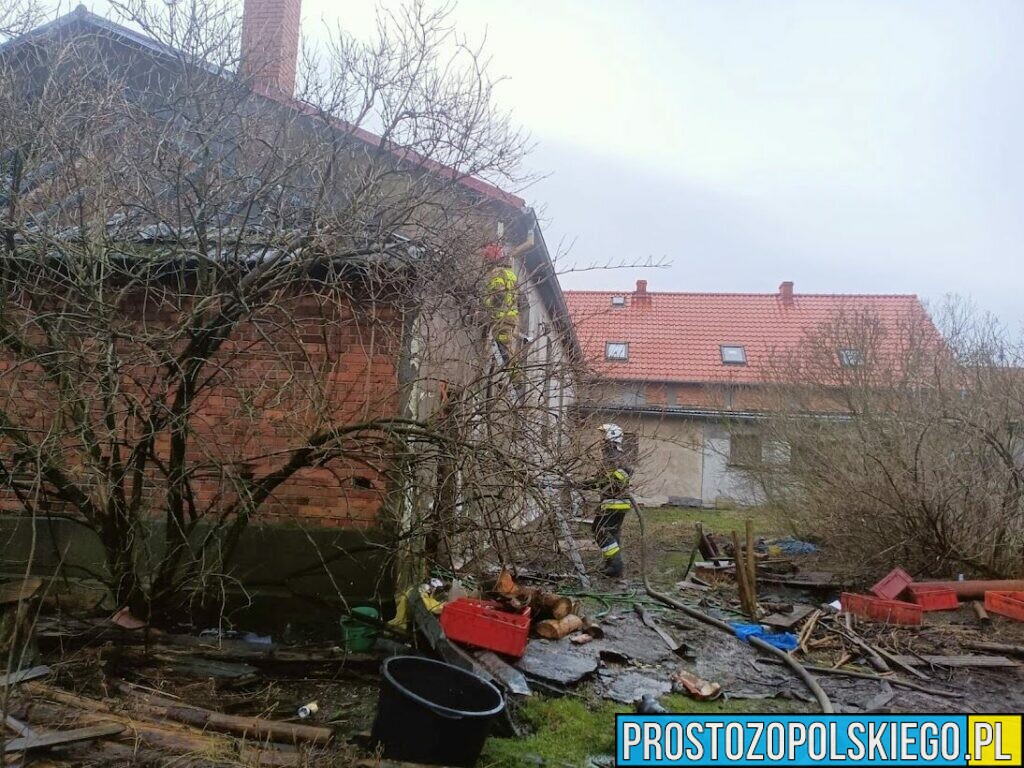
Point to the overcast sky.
(870, 146)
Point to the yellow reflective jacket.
(503, 294)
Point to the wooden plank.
(20, 728)
(958, 661)
(60, 738)
(787, 620)
(13, 678)
(16, 591)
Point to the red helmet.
(493, 253)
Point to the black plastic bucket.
(431, 712)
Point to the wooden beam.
(60, 738)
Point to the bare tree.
(218, 307)
(898, 445)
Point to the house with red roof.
(686, 375)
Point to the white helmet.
(612, 434)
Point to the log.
(980, 612)
(556, 629)
(171, 737)
(249, 727)
(974, 590)
(549, 605)
(751, 559)
(1007, 648)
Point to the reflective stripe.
(615, 504)
(503, 299)
(619, 475)
(611, 550)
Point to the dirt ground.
(569, 721)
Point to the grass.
(566, 731)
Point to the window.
(744, 450)
(618, 301)
(616, 350)
(850, 358)
(733, 355)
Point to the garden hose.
(793, 664)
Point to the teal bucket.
(357, 636)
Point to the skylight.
(733, 354)
(616, 350)
(618, 301)
(850, 358)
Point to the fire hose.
(793, 664)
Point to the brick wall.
(274, 386)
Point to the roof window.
(733, 354)
(850, 358)
(618, 301)
(616, 350)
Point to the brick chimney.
(640, 295)
(270, 45)
(786, 292)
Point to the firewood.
(556, 629)
(251, 727)
(549, 605)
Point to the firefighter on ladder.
(613, 486)
(502, 301)
(502, 298)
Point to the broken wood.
(556, 629)
(748, 600)
(170, 737)
(62, 738)
(872, 676)
(206, 719)
(23, 675)
(980, 612)
(977, 645)
(959, 661)
(751, 559)
(786, 620)
(17, 591)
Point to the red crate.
(1006, 604)
(934, 598)
(483, 624)
(893, 584)
(889, 611)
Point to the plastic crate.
(934, 598)
(893, 584)
(483, 624)
(878, 609)
(1006, 604)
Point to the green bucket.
(357, 636)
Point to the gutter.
(702, 413)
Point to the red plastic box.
(934, 598)
(889, 611)
(483, 624)
(893, 584)
(1006, 604)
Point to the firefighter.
(502, 301)
(613, 485)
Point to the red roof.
(677, 337)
